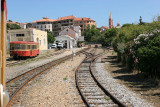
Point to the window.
(44, 42)
(37, 40)
(23, 46)
(20, 35)
(28, 46)
(12, 47)
(17, 46)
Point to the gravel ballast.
(16, 70)
(120, 91)
(55, 88)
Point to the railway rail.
(15, 85)
(15, 62)
(91, 90)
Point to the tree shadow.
(133, 80)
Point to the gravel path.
(13, 71)
(118, 90)
(55, 88)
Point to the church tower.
(110, 21)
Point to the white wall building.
(70, 35)
(23, 25)
(43, 24)
(68, 41)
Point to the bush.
(148, 54)
(139, 46)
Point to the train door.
(31, 49)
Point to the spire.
(110, 21)
(110, 16)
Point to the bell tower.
(110, 21)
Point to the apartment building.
(43, 24)
(56, 25)
(84, 22)
(60, 22)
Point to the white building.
(43, 24)
(30, 34)
(68, 41)
(69, 36)
(23, 25)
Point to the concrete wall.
(40, 37)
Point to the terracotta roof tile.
(66, 17)
(105, 27)
(12, 22)
(32, 28)
(84, 19)
(45, 20)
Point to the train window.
(28, 47)
(12, 47)
(32, 46)
(23, 46)
(17, 46)
(35, 46)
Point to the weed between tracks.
(108, 99)
(65, 78)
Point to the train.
(24, 49)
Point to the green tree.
(109, 35)
(91, 34)
(12, 26)
(50, 37)
(10, 21)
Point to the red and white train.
(23, 49)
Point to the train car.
(23, 49)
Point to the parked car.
(54, 46)
(60, 45)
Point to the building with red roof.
(55, 25)
(69, 36)
(43, 24)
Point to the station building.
(30, 34)
(69, 36)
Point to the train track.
(15, 85)
(15, 62)
(91, 90)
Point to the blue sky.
(123, 11)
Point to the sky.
(123, 11)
